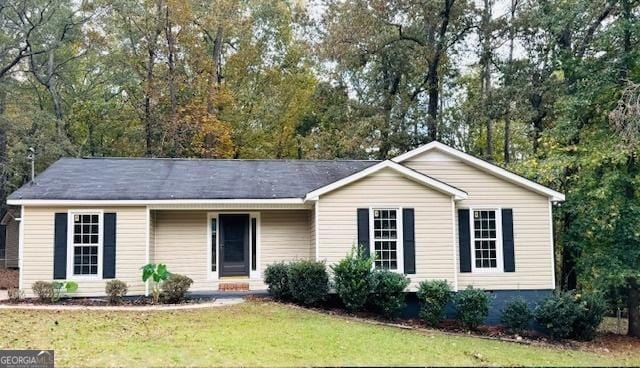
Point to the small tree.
(157, 273)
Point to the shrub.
(51, 291)
(175, 288)
(43, 290)
(157, 273)
(517, 315)
(433, 296)
(388, 296)
(308, 282)
(472, 307)
(14, 294)
(557, 314)
(353, 280)
(591, 309)
(116, 290)
(276, 276)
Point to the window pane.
(485, 243)
(214, 239)
(385, 237)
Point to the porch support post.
(147, 246)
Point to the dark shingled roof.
(149, 179)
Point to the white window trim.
(70, 244)
(215, 276)
(400, 237)
(499, 249)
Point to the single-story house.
(431, 213)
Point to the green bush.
(156, 274)
(276, 276)
(517, 315)
(51, 291)
(43, 290)
(557, 314)
(388, 297)
(308, 282)
(472, 307)
(353, 279)
(174, 289)
(115, 290)
(591, 309)
(433, 297)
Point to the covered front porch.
(227, 248)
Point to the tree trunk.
(149, 90)
(485, 62)
(633, 304)
(508, 80)
(3, 154)
(171, 52)
(216, 71)
(433, 77)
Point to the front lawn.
(263, 333)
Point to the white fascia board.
(485, 166)
(403, 170)
(126, 202)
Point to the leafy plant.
(388, 295)
(517, 315)
(276, 276)
(59, 286)
(591, 310)
(472, 306)
(353, 280)
(157, 274)
(557, 314)
(433, 297)
(308, 282)
(116, 290)
(175, 288)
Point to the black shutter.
(464, 237)
(109, 247)
(254, 246)
(409, 240)
(363, 230)
(507, 240)
(60, 247)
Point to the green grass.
(256, 333)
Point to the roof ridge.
(215, 159)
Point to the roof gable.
(484, 166)
(403, 170)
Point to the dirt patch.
(9, 278)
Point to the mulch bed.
(102, 302)
(9, 278)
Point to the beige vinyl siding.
(285, 236)
(533, 250)
(181, 242)
(386, 188)
(38, 240)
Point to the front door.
(234, 245)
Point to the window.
(214, 242)
(486, 240)
(86, 241)
(386, 239)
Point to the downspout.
(455, 246)
(20, 246)
(147, 250)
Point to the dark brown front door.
(234, 245)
